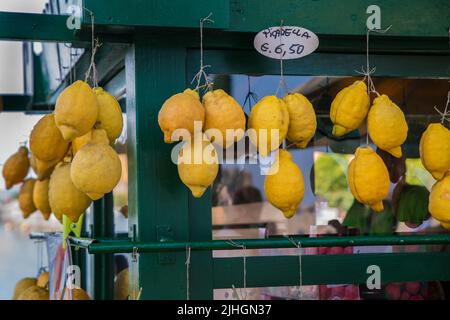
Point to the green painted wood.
(155, 71)
(324, 64)
(331, 269)
(408, 18)
(15, 102)
(158, 13)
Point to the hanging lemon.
(80, 294)
(224, 114)
(387, 125)
(35, 293)
(435, 150)
(46, 141)
(368, 178)
(26, 203)
(43, 279)
(349, 108)
(269, 121)
(96, 168)
(198, 165)
(43, 169)
(284, 186)
(121, 285)
(302, 119)
(439, 205)
(109, 114)
(16, 167)
(22, 285)
(180, 111)
(40, 198)
(64, 197)
(79, 142)
(76, 110)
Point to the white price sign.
(287, 42)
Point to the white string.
(201, 74)
(188, 265)
(282, 82)
(237, 245)
(95, 44)
(298, 245)
(445, 116)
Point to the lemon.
(121, 285)
(269, 121)
(26, 203)
(43, 279)
(109, 114)
(79, 142)
(96, 168)
(445, 225)
(179, 112)
(46, 141)
(223, 113)
(76, 110)
(368, 178)
(387, 125)
(43, 169)
(40, 198)
(349, 108)
(22, 285)
(64, 197)
(16, 167)
(302, 119)
(80, 294)
(35, 293)
(198, 165)
(284, 186)
(439, 205)
(435, 150)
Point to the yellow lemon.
(349, 108)
(43, 169)
(96, 168)
(80, 294)
(79, 142)
(439, 204)
(16, 167)
(198, 165)
(40, 198)
(302, 119)
(22, 285)
(26, 203)
(435, 150)
(180, 111)
(445, 225)
(76, 110)
(387, 125)
(109, 114)
(269, 123)
(121, 285)
(35, 293)
(284, 186)
(224, 114)
(64, 197)
(368, 178)
(42, 280)
(46, 141)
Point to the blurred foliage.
(416, 174)
(330, 171)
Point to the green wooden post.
(159, 203)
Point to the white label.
(287, 42)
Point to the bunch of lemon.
(71, 154)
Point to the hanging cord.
(201, 74)
(134, 260)
(445, 116)
(243, 247)
(250, 95)
(188, 265)
(95, 44)
(282, 83)
(298, 245)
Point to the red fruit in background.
(405, 295)
(412, 287)
(336, 250)
(351, 292)
(348, 250)
(338, 292)
(416, 297)
(323, 250)
(393, 291)
(412, 225)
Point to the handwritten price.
(280, 49)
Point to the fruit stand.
(150, 51)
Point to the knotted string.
(282, 82)
(188, 265)
(250, 96)
(298, 245)
(445, 116)
(237, 245)
(95, 44)
(201, 74)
